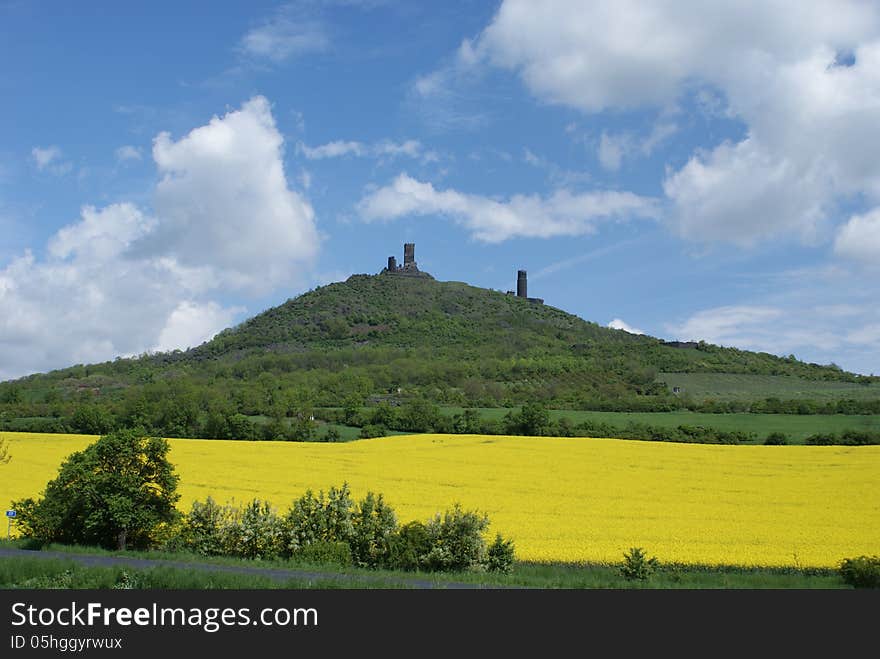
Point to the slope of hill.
(448, 342)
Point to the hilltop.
(449, 342)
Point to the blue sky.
(169, 169)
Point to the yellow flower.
(559, 499)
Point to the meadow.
(560, 499)
(796, 427)
(752, 386)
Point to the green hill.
(406, 337)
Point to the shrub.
(316, 519)
(326, 553)
(408, 547)
(637, 565)
(499, 555)
(331, 435)
(254, 532)
(861, 572)
(456, 541)
(373, 525)
(776, 439)
(373, 430)
(204, 527)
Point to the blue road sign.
(10, 513)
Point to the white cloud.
(611, 150)
(86, 301)
(847, 334)
(561, 214)
(44, 157)
(446, 98)
(409, 148)
(224, 202)
(128, 152)
(740, 193)
(50, 159)
(101, 235)
(560, 177)
(811, 137)
(335, 149)
(284, 36)
(618, 324)
(859, 238)
(386, 149)
(731, 325)
(618, 54)
(614, 148)
(119, 280)
(192, 323)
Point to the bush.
(332, 529)
(326, 553)
(637, 565)
(499, 555)
(331, 435)
(457, 542)
(317, 519)
(254, 532)
(373, 525)
(373, 430)
(408, 547)
(776, 439)
(861, 572)
(204, 528)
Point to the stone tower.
(392, 264)
(409, 254)
(522, 289)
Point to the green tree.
(637, 565)
(115, 493)
(92, 420)
(351, 410)
(418, 415)
(533, 419)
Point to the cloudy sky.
(673, 168)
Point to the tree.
(533, 419)
(115, 493)
(4, 452)
(91, 420)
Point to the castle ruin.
(522, 288)
(409, 266)
(522, 285)
(411, 269)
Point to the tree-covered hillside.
(401, 337)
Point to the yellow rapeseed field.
(561, 499)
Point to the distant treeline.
(534, 420)
(293, 416)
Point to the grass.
(797, 427)
(744, 387)
(42, 573)
(346, 433)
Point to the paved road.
(278, 574)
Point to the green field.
(743, 387)
(797, 427)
